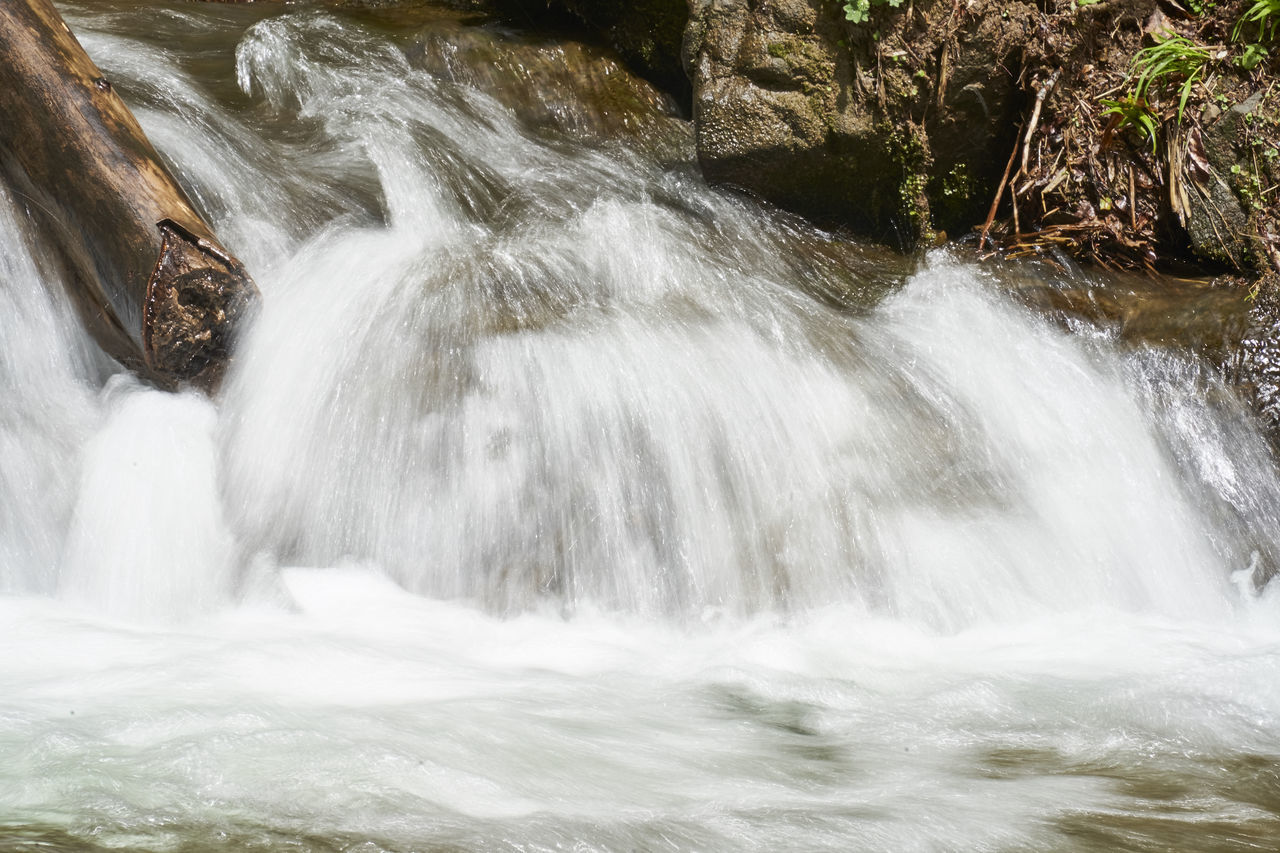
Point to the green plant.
(958, 189)
(1253, 55)
(1264, 13)
(1174, 57)
(859, 11)
(1133, 111)
(1248, 187)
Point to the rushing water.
(558, 502)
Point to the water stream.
(557, 501)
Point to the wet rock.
(895, 129)
(557, 86)
(1218, 226)
(766, 87)
(1254, 365)
(646, 33)
(1205, 316)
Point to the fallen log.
(150, 280)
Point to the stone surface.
(891, 130)
(1218, 226)
(558, 86)
(646, 33)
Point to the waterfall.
(556, 499)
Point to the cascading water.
(556, 501)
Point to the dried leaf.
(1157, 24)
(1197, 156)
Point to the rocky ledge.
(1132, 134)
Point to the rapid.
(557, 501)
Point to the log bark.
(150, 280)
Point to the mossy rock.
(893, 129)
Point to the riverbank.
(557, 500)
(1128, 133)
(1123, 134)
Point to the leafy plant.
(1174, 57)
(1133, 111)
(1248, 186)
(1253, 55)
(859, 11)
(1264, 13)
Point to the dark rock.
(1218, 226)
(768, 86)
(645, 33)
(1254, 365)
(559, 86)
(893, 135)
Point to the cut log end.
(198, 300)
(70, 148)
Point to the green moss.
(953, 195)
(806, 61)
(1248, 187)
(908, 150)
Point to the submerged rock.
(557, 86)
(1254, 364)
(646, 33)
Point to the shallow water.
(557, 501)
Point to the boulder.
(647, 34)
(894, 127)
(560, 86)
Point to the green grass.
(1134, 112)
(1176, 60)
(1263, 13)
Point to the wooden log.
(152, 283)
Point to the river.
(557, 501)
